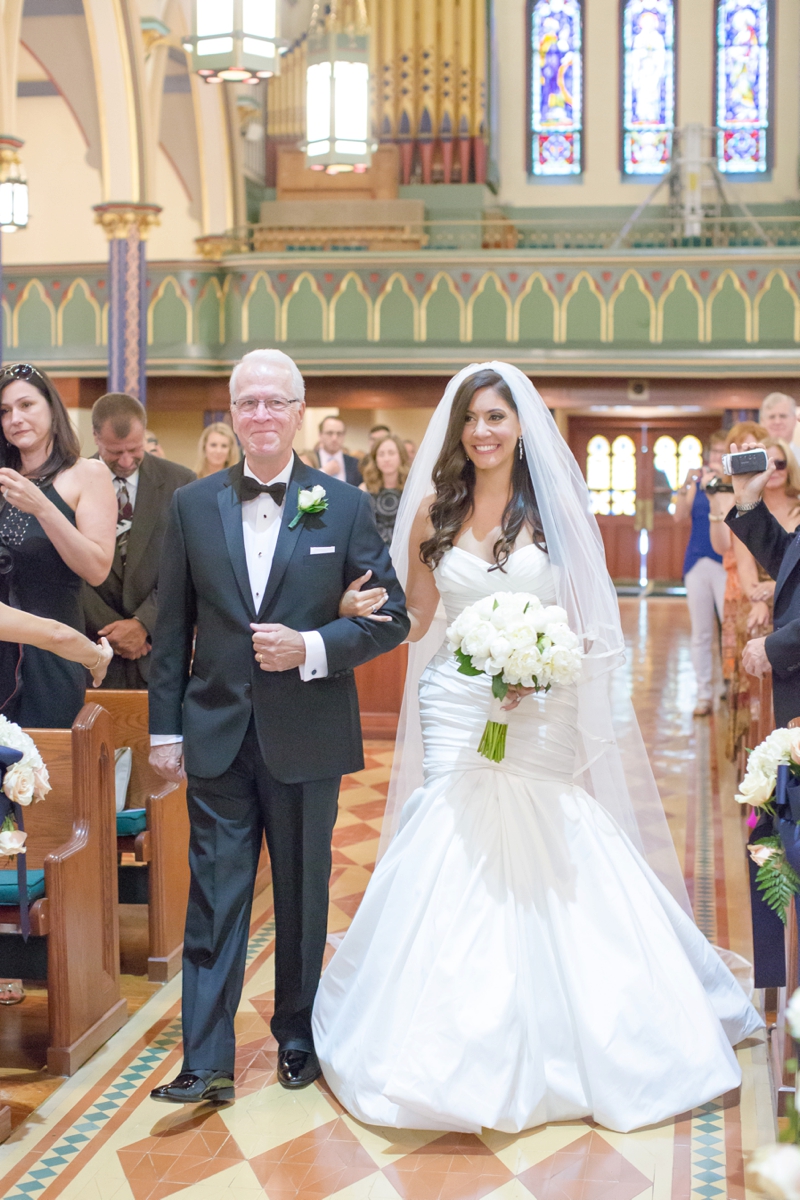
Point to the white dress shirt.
(131, 483)
(325, 458)
(261, 524)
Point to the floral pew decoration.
(771, 785)
(774, 1170)
(25, 779)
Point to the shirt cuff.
(165, 739)
(316, 664)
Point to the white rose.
(775, 1171)
(308, 497)
(12, 841)
(41, 782)
(18, 784)
(756, 788)
(793, 1015)
(761, 854)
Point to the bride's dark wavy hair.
(454, 481)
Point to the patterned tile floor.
(98, 1137)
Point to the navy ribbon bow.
(7, 759)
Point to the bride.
(524, 952)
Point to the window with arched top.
(611, 475)
(648, 86)
(556, 86)
(690, 456)
(743, 86)
(665, 459)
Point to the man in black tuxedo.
(332, 458)
(778, 552)
(123, 607)
(266, 706)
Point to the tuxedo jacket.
(352, 471)
(779, 555)
(130, 589)
(306, 731)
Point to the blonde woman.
(216, 450)
(385, 471)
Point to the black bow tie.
(251, 489)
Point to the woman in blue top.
(703, 572)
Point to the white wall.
(601, 182)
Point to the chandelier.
(13, 187)
(234, 40)
(337, 88)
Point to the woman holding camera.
(703, 572)
(57, 529)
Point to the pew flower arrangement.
(772, 785)
(515, 640)
(24, 782)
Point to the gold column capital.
(118, 219)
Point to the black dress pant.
(227, 816)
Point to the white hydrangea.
(775, 1171)
(26, 780)
(762, 766)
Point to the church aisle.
(99, 1137)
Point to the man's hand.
(754, 657)
(278, 648)
(747, 489)
(128, 638)
(331, 467)
(167, 761)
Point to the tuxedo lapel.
(145, 516)
(287, 538)
(230, 510)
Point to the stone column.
(127, 227)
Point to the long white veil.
(613, 765)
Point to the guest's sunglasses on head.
(19, 371)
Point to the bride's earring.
(521, 449)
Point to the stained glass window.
(648, 93)
(556, 87)
(611, 475)
(742, 86)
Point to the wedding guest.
(376, 433)
(310, 458)
(56, 531)
(216, 450)
(703, 572)
(385, 470)
(123, 606)
(778, 415)
(153, 445)
(330, 451)
(411, 449)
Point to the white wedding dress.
(515, 960)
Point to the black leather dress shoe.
(297, 1068)
(196, 1087)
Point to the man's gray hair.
(271, 358)
(776, 398)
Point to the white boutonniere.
(309, 501)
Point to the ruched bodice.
(454, 708)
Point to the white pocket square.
(322, 550)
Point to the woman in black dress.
(57, 529)
(385, 471)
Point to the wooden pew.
(71, 835)
(164, 845)
(380, 684)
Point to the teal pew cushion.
(9, 891)
(131, 821)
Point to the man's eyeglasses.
(20, 371)
(275, 407)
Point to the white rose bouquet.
(24, 782)
(516, 640)
(776, 877)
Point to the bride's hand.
(355, 603)
(513, 696)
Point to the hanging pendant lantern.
(337, 89)
(234, 40)
(13, 187)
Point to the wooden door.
(631, 468)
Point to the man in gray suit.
(123, 608)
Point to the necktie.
(250, 489)
(124, 514)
